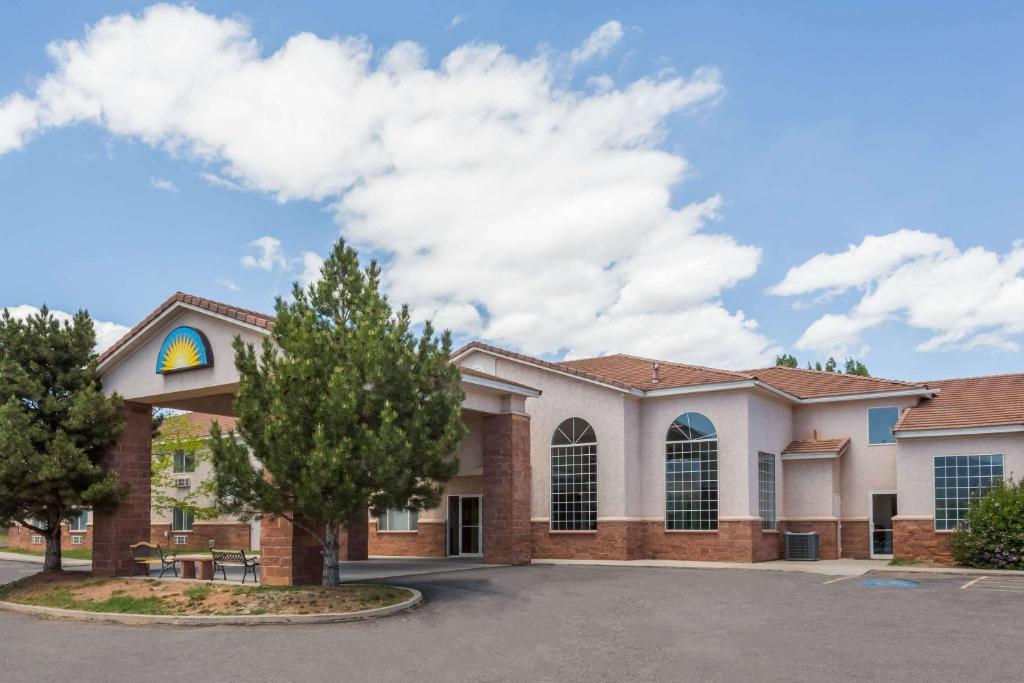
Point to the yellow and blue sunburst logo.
(185, 348)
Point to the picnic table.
(197, 566)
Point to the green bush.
(993, 537)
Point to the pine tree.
(55, 424)
(345, 408)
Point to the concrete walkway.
(36, 559)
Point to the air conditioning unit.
(183, 483)
(805, 546)
(180, 540)
(76, 540)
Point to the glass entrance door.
(464, 528)
(883, 509)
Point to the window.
(766, 489)
(691, 474)
(574, 476)
(880, 424)
(184, 462)
(959, 479)
(182, 520)
(398, 520)
(79, 522)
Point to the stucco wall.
(135, 377)
(808, 488)
(771, 430)
(729, 412)
(864, 468)
(562, 398)
(915, 468)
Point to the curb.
(964, 571)
(35, 559)
(234, 620)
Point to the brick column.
(354, 543)
(506, 513)
(114, 530)
(288, 556)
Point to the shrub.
(993, 536)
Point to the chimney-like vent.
(654, 372)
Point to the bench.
(149, 554)
(235, 558)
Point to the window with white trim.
(691, 474)
(880, 424)
(184, 462)
(79, 522)
(398, 520)
(574, 476)
(960, 480)
(182, 519)
(766, 490)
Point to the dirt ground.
(72, 590)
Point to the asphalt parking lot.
(549, 623)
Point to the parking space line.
(971, 583)
(841, 578)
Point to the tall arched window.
(691, 474)
(574, 476)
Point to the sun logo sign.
(185, 348)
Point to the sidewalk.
(844, 567)
(36, 559)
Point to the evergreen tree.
(345, 408)
(786, 360)
(55, 424)
(855, 367)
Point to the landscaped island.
(79, 591)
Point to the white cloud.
(456, 20)
(218, 181)
(599, 43)
(227, 283)
(311, 265)
(507, 205)
(106, 332)
(18, 118)
(860, 263)
(163, 184)
(968, 299)
(271, 255)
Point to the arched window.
(691, 474)
(574, 476)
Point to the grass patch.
(76, 591)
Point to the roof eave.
(919, 392)
(957, 431)
(142, 335)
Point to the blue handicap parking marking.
(889, 583)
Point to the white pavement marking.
(841, 578)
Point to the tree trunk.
(51, 563)
(332, 576)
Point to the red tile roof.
(251, 317)
(993, 401)
(815, 383)
(198, 424)
(818, 446)
(633, 372)
(639, 372)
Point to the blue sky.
(821, 124)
